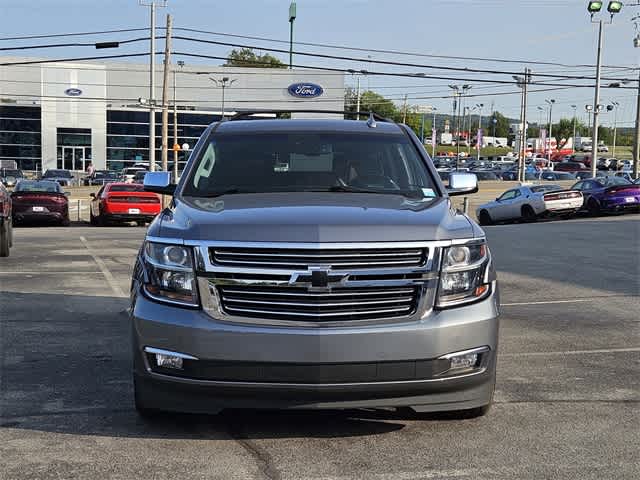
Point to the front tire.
(484, 218)
(593, 207)
(528, 215)
(5, 240)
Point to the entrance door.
(73, 158)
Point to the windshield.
(296, 162)
(57, 173)
(545, 188)
(611, 181)
(105, 174)
(34, 186)
(11, 173)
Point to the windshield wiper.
(230, 191)
(349, 189)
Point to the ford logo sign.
(305, 90)
(73, 92)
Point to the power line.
(60, 45)
(390, 63)
(394, 52)
(57, 35)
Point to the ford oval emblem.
(305, 90)
(73, 92)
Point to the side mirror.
(462, 184)
(92, 195)
(159, 182)
(497, 199)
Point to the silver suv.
(313, 264)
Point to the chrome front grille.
(336, 259)
(300, 304)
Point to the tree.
(246, 57)
(502, 125)
(374, 102)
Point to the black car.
(555, 176)
(63, 177)
(101, 177)
(486, 175)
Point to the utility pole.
(404, 109)
(152, 82)
(527, 79)
(636, 143)
(573, 139)
(615, 127)
(479, 137)
(550, 102)
(165, 99)
(358, 96)
(175, 125)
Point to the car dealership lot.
(567, 398)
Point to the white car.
(529, 202)
(129, 174)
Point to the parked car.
(10, 176)
(486, 175)
(570, 167)
(603, 148)
(139, 176)
(123, 202)
(557, 176)
(512, 175)
(101, 177)
(6, 224)
(299, 269)
(128, 174)
(528, 203)
(608, 194)
(40, 201)
(63, 177)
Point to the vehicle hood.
(312, 217)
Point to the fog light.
(467, 360)
(464, 361)
(168, 361)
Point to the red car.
(123, 202)
(6, 231)
(40, 200)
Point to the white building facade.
(65, 115)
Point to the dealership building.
(65, 115)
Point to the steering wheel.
(375, 181)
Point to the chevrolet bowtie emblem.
(319, 279)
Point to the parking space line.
(105, 271)
(571, 352)
(573, 300)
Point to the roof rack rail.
(367, 115)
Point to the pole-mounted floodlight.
(594, 7)
(614, 7)
(588, 108)
(292, 17)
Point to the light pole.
(224, 82)
(292, 17)
(550, 102)
(573, 139)
(594, 7)
(523, 82)
(479, 136)
(615, 127)
(459, 92)
(152, 82)
(434, 132)
(636, 141)
(176, 146)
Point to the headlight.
(463, 276)
(170, 276)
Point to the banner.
(543, 140)
(433, 137)
(479, 143)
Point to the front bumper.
(376, 357)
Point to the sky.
(559, 32)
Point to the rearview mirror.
(159, 182)
(462, 184)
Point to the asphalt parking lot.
(567, 400)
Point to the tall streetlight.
(550, 103)
(573, 139)
(176, 145)
(152, 4)
(594, 7)
(459, 92)
(615, 106)
(479, 136)
(223, 82)
(523, 82)
(292, 17)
